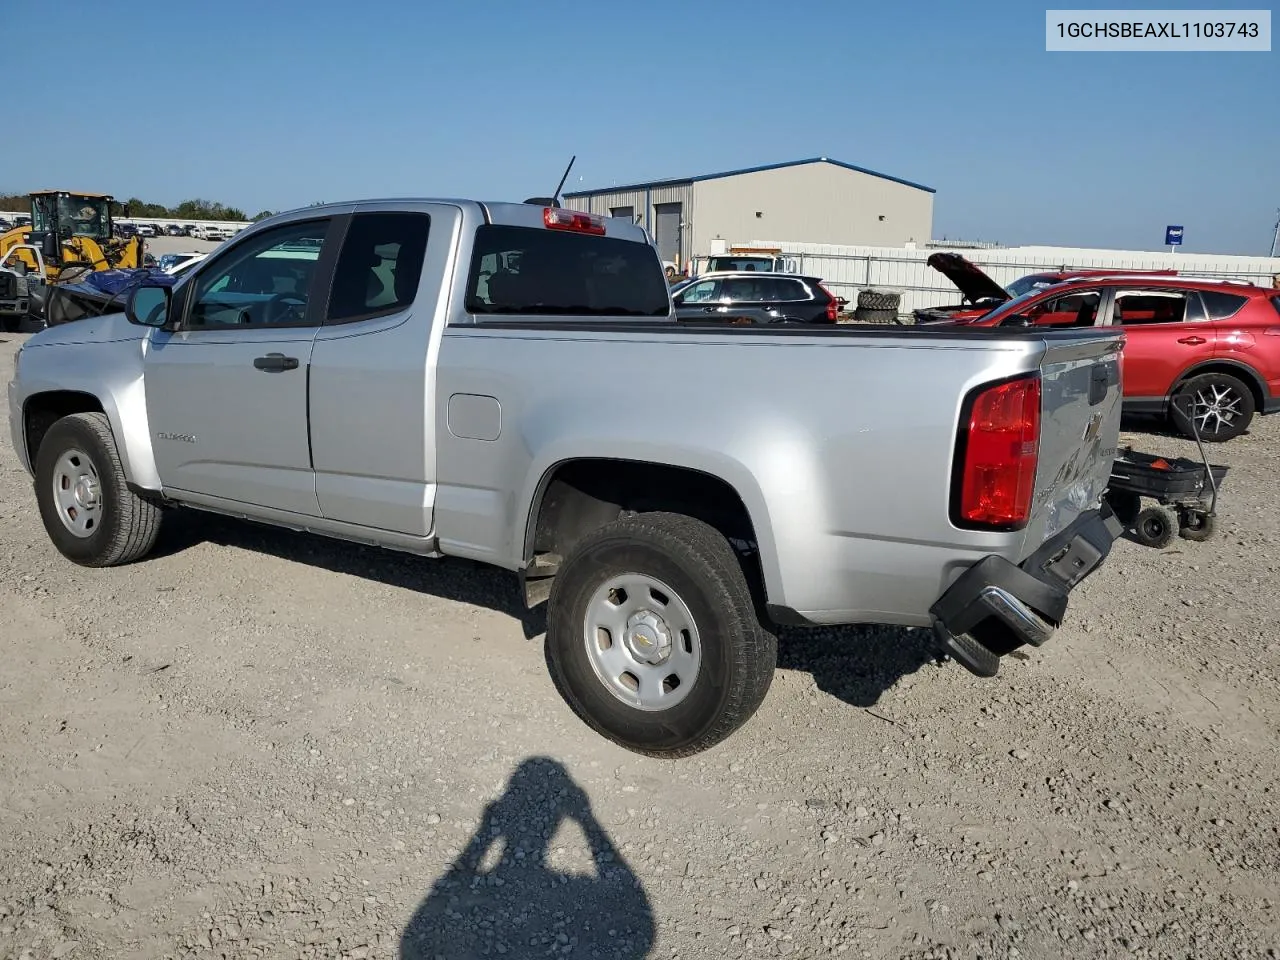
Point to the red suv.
(1210, 347)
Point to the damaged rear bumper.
(995, 606)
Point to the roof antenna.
(554, 200)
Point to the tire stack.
(877, 306)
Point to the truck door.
(372, 373)
(227, 392)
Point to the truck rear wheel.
(653, 638)
(91, 516)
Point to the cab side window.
(379, 267)
(265, 281)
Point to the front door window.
(263, 282)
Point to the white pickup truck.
(508, 383)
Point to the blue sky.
(278, 104)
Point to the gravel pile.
(260, 744)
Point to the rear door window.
(528, 271)
(1154, 306)
(747, 290)
(379, 267)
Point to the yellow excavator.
(73, 233)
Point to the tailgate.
(1079, 429)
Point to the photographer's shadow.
(502, 898)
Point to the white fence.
(846, 270)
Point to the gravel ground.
(261, 744)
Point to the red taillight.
(1000, 449)
(833, 308)
(557, 218)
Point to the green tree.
(262, 215)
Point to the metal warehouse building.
(805, 201)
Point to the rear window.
(1222, 305)
(740, 264)
(533, 271)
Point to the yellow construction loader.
(74, 233)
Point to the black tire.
(125, 526)
(866, 315)
(1155, 527)
(1195, 525)
(738, 655)
(1222, 405)
(878, 300)
(1126, 506)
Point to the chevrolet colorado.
(508, 383)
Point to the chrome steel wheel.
(642, 642)
(77, 492)
(1216, 407)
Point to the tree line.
(140, 209)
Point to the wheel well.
(582, 495)
(1239, 371)
(45, 409)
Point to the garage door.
(667, 233)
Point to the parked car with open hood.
(982, 294)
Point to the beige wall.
(813, 203)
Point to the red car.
(1210, 347)
(982, 294)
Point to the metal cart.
(1186, 494)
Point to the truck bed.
(840, 440)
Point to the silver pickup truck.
(508, 382)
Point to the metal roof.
(733, 173)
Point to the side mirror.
(148, 306)
(1017, 320)
(49, 246)
(678, 299)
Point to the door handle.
(274, 362)
(709, 309)
(1193, 341)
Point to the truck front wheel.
(653, 638)
(90, 514)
